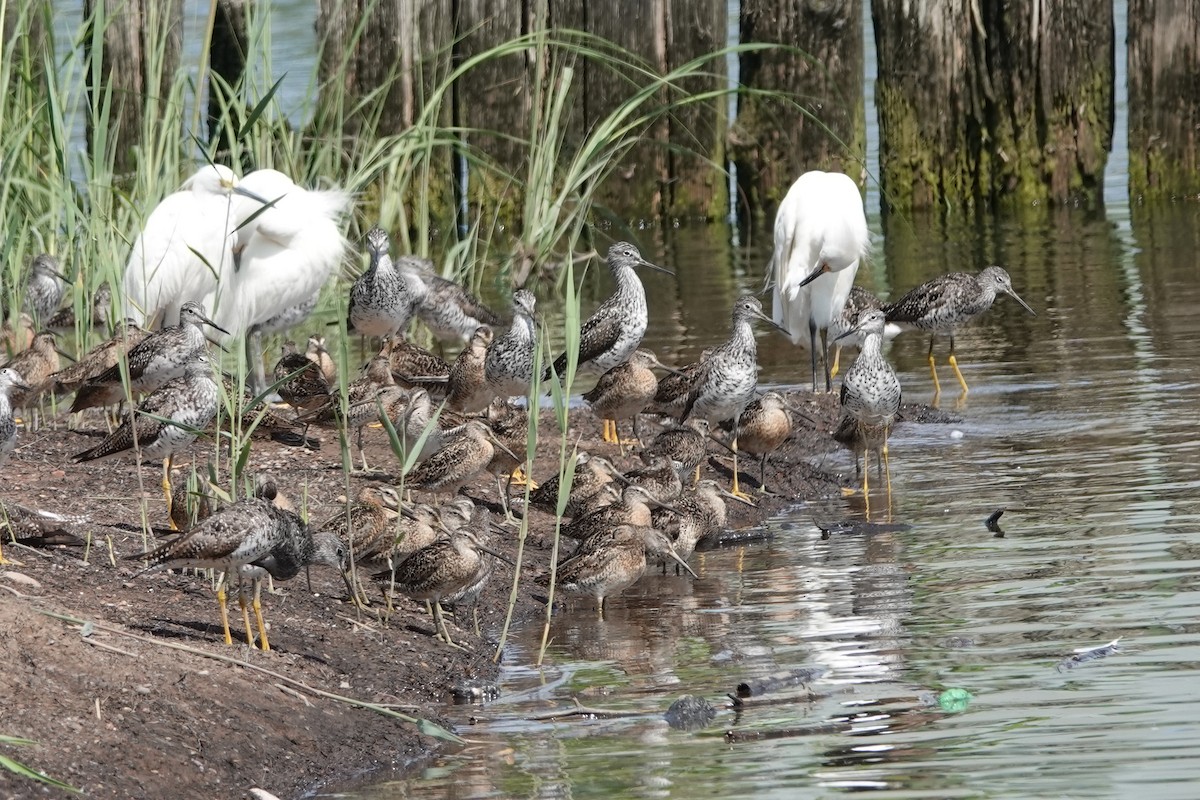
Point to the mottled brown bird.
(764, 425)
(591, 474)
(469, 391)
(660, 479)
(633, 509)
(299, 380)
(612, 561)
(623, 393)
(687, 444)
(100, 358)
(466, 451)
(416, 367)
(366, 529)
(35, 365)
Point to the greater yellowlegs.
(468, 389)
(614, 330)
(509, 365)
(384, 298)
(860, 300)
(612, 561)
(870, 398)
(44, 289)
(624, 392)
(167, 420)
(728, 378)
(948, 302)
(155, 360)
(821, 236)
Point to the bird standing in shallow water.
(859, 301)
(821, 236)
(614, 330)
(948, 302)
(870, 400)
(613, 560)
(167, 420)
(727, 379)
(509, 364)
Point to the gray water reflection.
(1081, 422)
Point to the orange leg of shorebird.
(221, 598)
(887, 473)
(736, 489)
(866, 483)
(937, 387)
(166, 484)
(957, 372)
(262, 625)
(837, 359)
(608, 434)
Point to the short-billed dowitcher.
(100, 358)
(687, 444)
(590, 475)
(468, 390)
(35, 365)
(450, 311)
(612, 561)
(763, 426)
(624, 392)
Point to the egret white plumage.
(185, 251)
(287, 253)
(820, 237)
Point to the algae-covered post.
(821, 69)
(390, 59)
(139, 54)
(1164, 99)
(991, 104)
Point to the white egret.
(289, 245)
(185, 250)
(820, 237)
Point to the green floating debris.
(954, 700)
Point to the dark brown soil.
(120, 716)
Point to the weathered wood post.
(1164, 99)
(993, 104)
(140, 43)
(824, 125)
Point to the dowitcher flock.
(227, 261)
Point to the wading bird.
(820, 237)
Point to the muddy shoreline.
(119, 713)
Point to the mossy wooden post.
(140, 46)
(635, 188)
(993, 104)
(824, 124)
(378, 59)
(1164, 99)
(492, 102)
(697, 131)
(227, 65)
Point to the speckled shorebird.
(417, 527)
(674, 388)
(467, 388)
(248, 540)
(466, 451)
(417, 418)
(659, 477)
(35, 365)
(624, 392)
(763, 426)
(614, 330)
(44, 288)
(316, 353)
(384, 298)
(451, 312)
(857, 302)
(155, 360)
(591, 475)
(509, 365)
(510, 424)
(367, 531)
(633, 509)
(946, 303)
(192, 501)
(436, 571)
(299, 381)
(98, 315)
(870, 398)
(698, 514)
(415, 367)
(612, 561)
(35, 527)
(167, 420)
(727, 379)
(686, 444)
(102, 357)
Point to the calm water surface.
(1081, 422)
